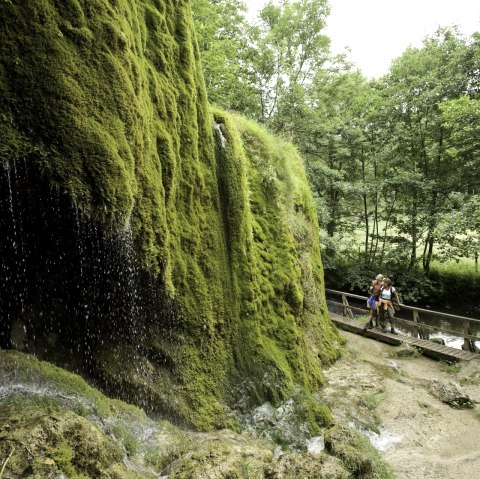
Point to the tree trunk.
(414, 233)
(389, 217)
(430, 241)
(365, 208)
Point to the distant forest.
(394, 162)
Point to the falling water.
(223, 140)
(382, 440)
(70, 286)
(146, 433)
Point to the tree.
(227, 49)
(462, 118)
(416, 85)
(292, 48)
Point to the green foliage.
(453, 279)
(356, 453)
(260, 68)
(224, 39)
(372, 401)
(107, 101)
(393, 163)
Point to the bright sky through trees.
(377, 31)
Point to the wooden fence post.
(467, 344)
(415, 320)
(346, 308)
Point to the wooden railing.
(420, 329)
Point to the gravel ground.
(420, 436)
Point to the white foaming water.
(383, 441)
(453, 341)
(222, 136)
(316, 445)
(8, 389)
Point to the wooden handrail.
(419, 328)
(407, 307)
(408, 321)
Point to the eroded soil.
(422, 437)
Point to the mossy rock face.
(53, 424)
(182, 273)
(224, 454)
(304, 466)
(48, 445)
(356, 453)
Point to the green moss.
(62, 442)
(62, 455)
(269, 195)
(107, 100)
(21, 368)
(356, 453)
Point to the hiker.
(374, 290)
(385, 305)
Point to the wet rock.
(304, 466)
(451, 393)
(316, 445)
(18, 335)
(356, 453)
(265, 414)
(223, 454)
(394, 366)
(405, 351)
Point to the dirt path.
(422, 437)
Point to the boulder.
(450, 393)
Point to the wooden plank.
(464, 353)
(472, 356)
(428, 348)
(406, 307)
(353, 308)
(418, 342)
(435, 346)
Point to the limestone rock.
(450, 393)
(303, 466)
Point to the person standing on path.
(385, 305)
(374, 290)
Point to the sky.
(377, 31)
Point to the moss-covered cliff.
(167, 250)
(53, 424)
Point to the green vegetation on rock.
(107, 101)
(52, 423)
(356, 453)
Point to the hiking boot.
(370, 325)
(394, 331)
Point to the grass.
(372, 401)
(464, 267)
(473, 379)
(362, 319)
(356, 453)
(450, 368)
